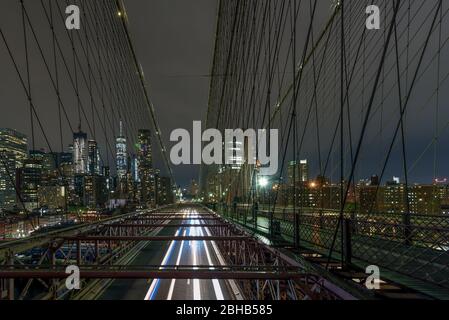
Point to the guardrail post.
(407, 229)
(10, 284)
(347, 237)
(78, 252)
(97, 252)
(296, 235)
(54, 282)
(255, 209)
(245, 216)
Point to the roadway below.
(174, 253)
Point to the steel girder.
(260, 271)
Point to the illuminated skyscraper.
(94, 192)
(7, 180)
(236, 151)
(80, 152)
(298, 171)
(93, 157)
(145, 154)
(28, 183)
(122, 166)
(47, 160)
(164, 191)
(13, 153)
(61, 158)
(134, 168)
(106, 173)
(146, 174)
(14, 142)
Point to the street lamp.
(263, 182)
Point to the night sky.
(174, 40)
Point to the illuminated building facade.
(145, 169)
(134, 168)
(13, 153)
(121, 155)
(29, 180)
(164, 191)
(52, 197)
(80, 152)
(94, 193)
(47, 160)
(93, 157)
(298, 171)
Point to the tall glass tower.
(80, 152)
(94, 158)
(146, 174)
(13, 153)
(122, 165)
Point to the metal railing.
(418, 250)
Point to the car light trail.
(196, 282)
(155, 284)
(178, 261)
(215, 282)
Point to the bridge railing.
(418, 249)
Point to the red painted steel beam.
(156, 238)
(156, 225)
(173, 218)
(161, 274)
(178, 214)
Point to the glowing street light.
(263, 182)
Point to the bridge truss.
(259, 271)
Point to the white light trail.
(196, 282)
(178, 261)
(156, 282)
(215, 282)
